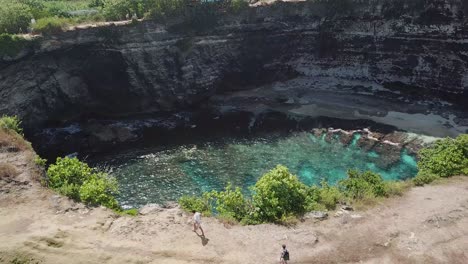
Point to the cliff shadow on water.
(401, 64)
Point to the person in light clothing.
(197, 222)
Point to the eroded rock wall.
(388, 50)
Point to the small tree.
(279, 194)
(230, 202)
(360, 185)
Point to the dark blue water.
(164, 175)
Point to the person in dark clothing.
(284, 256)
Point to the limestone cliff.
(373, 59)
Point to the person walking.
(197, 222)
(284, 255)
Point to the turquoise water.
(162, 175)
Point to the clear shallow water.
(164, 175)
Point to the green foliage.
(99, 189)
(199, 204)
(14, 17)
(67, 175)
(361, 185)
(53, 15)
(230, 203)
(11, 45)
(422, 179)
(446, 157)
(50, 25)
(40, 161)
(11, 123)
(397, 188)
(326, 197)
(128, 212)
(278, 194)
(77, 180)
(238, 6)
(124, 9)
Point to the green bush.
(397, 188)
(11, 123)
(14, 17)
(361, 185)
(77, 180)
(279, 194)
(326, 196)
(230, 203)
(51, 25)
(67, 175)
(199, 204)
(446, 157)
(124, 9)
(99, 189)
(40, 161)
(422, 179)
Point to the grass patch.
(18, 258)
(8, 171)
(51, 25)
(10, 141)
(128, 212)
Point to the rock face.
(386, 61)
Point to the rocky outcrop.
(372, 60)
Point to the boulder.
(150, 209)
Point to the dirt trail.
(426, 225)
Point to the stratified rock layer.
(376, 61)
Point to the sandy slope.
(427, 225)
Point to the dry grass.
(11, 141)
(398, 188)
(8, 171)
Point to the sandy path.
(427, 225)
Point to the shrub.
(67, 175)
(397, 188)
(99, 189)
(230, 203)
(199, 204)
(279, 194)
(361, 185)
(40, 161)
(123, 9)
(445, 157)
(50, 25)
(77, 180)
(14, 17)
(11, 123)
(328, 196)
(422, 179)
